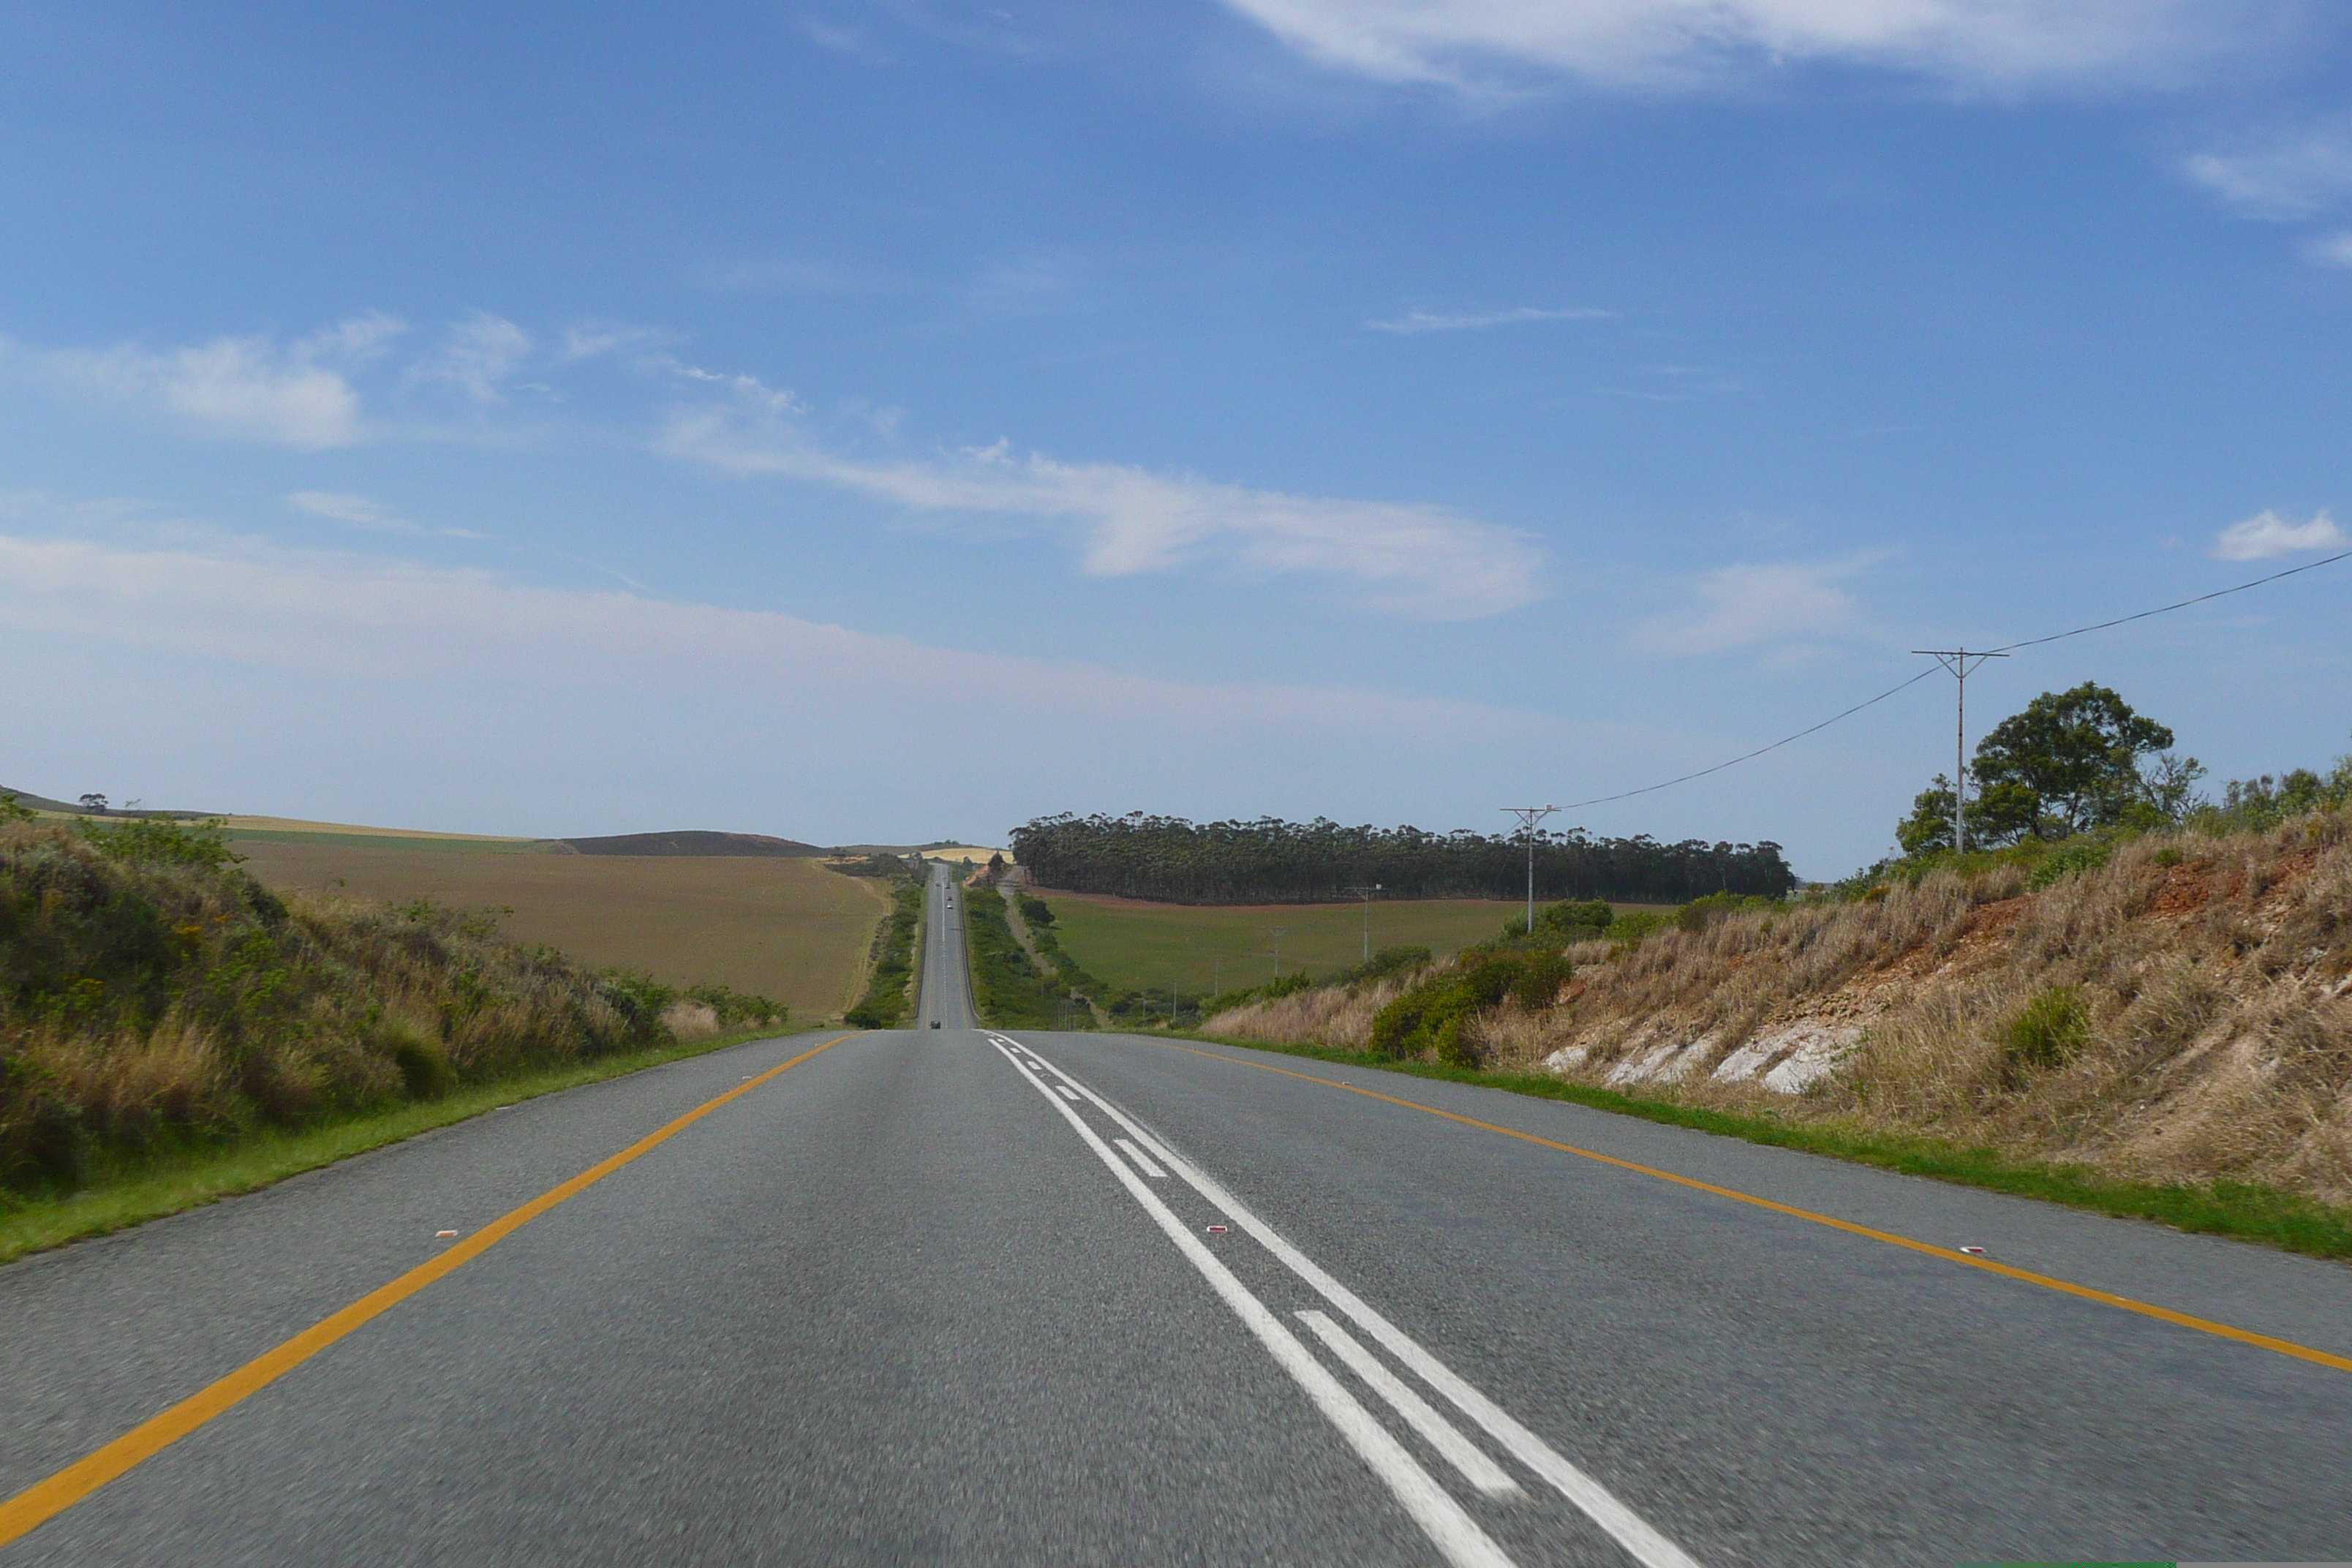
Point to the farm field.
(1197, 948)
(787, 928)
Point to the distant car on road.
(935, 1023)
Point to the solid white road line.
(1631, 1531)
(1142, 1161)
(1447, 1524)
(1465, 1456)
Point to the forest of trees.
(1271, 861)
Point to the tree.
(2070, 763)
(1929, 827)
(95, 803)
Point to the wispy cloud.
(1748, 605)
(359, 512)
(594, 340)
(2284, 176)
(2267, 534)
(1974, 45)
(295, 393)
(476, 356)
(1474, 321)
(1411, 559)
(2330, 249)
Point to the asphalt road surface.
(958, 1296)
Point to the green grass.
(1010, 991)
(1204, 947)
(2238, 1210)
(195, 1177)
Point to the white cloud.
(329, 677)
(1435, 321)
(2288, 176)
(253, 388)
(358, 511)
(477, 354)
(2267, 534)
(594, 340)
(1997, 45)
(2330, 249)
(1743, 606)
(1416, 559)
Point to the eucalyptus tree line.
(1270, 860)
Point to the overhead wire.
(2005, 647)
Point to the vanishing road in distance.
(961, 1296)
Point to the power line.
(2164, 609)
(2029, 642)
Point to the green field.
(1198, 948)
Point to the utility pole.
(1366, 894)
(1529, 816)
(1959, 661)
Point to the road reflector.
(1216, 1230)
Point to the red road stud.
(1974, 1251)
(1216, 1230)
(440, 1234)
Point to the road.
(945, 998)
(965, 1297)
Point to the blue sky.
(891, 420)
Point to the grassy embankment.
(889, 997)
(2154, 1025)
(171, 1030)
(2246, 1211)
(1201, 948)
(1010, 990)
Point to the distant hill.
(42, 803)
(692, 842)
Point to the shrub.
(159, 841)
(1036, 911)
(2082, 855)
(423, 1061)
(1429, 1017)
(2049, 1031)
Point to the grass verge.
(2241, 1211)
(195, 1177)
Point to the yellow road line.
(2202, 1325)
(45, 1500)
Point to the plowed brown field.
(787, 928)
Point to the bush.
(1430, 1017)
(159, 841)
(423, 1064)
(733, 1008)
(2049, 1031)
(1036, 911)
(2078, 855)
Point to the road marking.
(2105, 1297)
(1447, 1524)
(1598, 1503)
(1142, 1161)
(45, 1499)
(1464, 1454)
(1067, 1092)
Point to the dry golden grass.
(2207, 983)
(785, 929)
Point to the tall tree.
(2067, 763)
